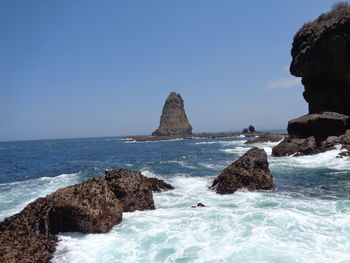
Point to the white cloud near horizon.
(284, 83)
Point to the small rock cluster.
(311, 145)
(250, 129)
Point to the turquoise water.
(305, 220)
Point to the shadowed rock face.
(250, 171)
(321, 56)
(319, 125)
(173, 120)
(90, 207)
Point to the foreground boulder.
(266, 137)
(24, 246)
(321, 57)
(173, 120)
(133, 189)
(320, 125)
(250, 171)
(90, 207)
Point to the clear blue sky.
(73, 68)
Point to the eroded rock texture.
(250, 171)
(321, 56)
(173, 120)
(311, 145)
(133, 189)
(26, 247)
(90, 207)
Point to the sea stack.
(321, 57)
(173, 120)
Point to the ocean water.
(307, 219)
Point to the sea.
(306, 219)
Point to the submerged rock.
(133, 189)
(198, 205)
(173, 120)
(321, 56)
(250, 171)
(266, 137)
(158, 185)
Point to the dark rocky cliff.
(321, 56)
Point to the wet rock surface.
(94, 206)
(90, 207)
(173, 120)
(250, 171)
(311, 145)
(158, 185)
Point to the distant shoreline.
(148, 138)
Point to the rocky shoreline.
(320, 53)
(94, 206)
(150, 138)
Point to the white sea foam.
(237, 150)
(213, 166)
(243, 227)
(147, 173)
(322, 160)
(200, 143)
(181, 163)
(15, 196)
(224, 143)
(267, 146)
